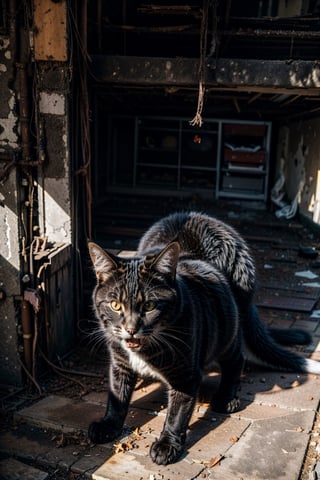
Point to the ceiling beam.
(296, 77)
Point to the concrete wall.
(54, 181)
(52, 206)
(9, 224)
(299, 146)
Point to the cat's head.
(134, 297)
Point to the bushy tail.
(284, 336)
(261, 343)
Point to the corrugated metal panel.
(59, 303)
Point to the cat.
(181, 305)
(168, 318)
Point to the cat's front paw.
(166, 450)
(103, 431)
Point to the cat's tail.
(284, 336)
(265, 350)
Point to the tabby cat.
(181, 305)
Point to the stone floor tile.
(284, 390)
(271, 449)
(207, 439)
(19, 444)
(128, 466)
(89, 463)
(308, 325)
(58, 457)
(61, 413)
(259, 411)
(149, 396)
(11, 469)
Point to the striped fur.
(169, 318)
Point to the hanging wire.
(197, 119)
(85, 168)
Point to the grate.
(13, 398)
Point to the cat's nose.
(131, 331)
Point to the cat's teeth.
(133, 343)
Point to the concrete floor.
(268, 439)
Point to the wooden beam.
(50, 32)
(255, 97)
(257, 76)
(298, 74)
(153, 71)
(260, 33)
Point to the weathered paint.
(299, 145)
(8, 117)
(50, 33)
(52, 103)
(10, 272)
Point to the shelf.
(156, 165)
(240, 156)
(159, 149)
(244, 169)
(244, 160)
(200, 169)
(166, 153)
(201, 130)
(160, 129)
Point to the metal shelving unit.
(166, 154)
(244, 160)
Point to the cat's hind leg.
(226, 400)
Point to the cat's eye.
(116, 306)
(149, 305)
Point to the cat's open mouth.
(133, 343)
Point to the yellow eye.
(116, 306)
(149, 306)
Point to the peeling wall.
(51, 90)
(54, 185)
(9, 282)
(36, 194)
(8, 117)
(10, 267)
(299, 145)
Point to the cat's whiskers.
(97, 339)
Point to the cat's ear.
(166, 261)
(103, 261)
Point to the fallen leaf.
(118, 447)
(234, 439)
(215, 460)
(297, 429)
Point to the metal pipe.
(13, 39)
(27, 334)
(24, 110)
